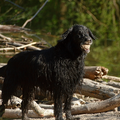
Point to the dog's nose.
(89, 40)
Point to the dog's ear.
(91, 35)
(65, 34)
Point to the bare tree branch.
(34, 15)
(15, 4)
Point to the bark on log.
(98, 90)
(111, 83)
(94, 72)
(96, 107)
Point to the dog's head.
(79, 38)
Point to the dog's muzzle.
(86, 46)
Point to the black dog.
(57, 70)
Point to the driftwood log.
(97, 90)
(96, 107)
(112, 83)
(95, 72)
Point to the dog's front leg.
(67, 108)
(58, 106)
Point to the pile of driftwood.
(104, 95)
(10, 45)
(107, 94)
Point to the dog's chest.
(68, 69)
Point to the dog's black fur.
(57, 70)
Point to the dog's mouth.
(86, 48)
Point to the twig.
(35, 14)
(15, 4)
(17, 48)
(19, 44)
(4, 37)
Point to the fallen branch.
(17, 48)
(37, 109)
(17, 113)
(97, 90)
(6, 38)
(94, 72)
(19, 44)
(112, 83)
(117, 79)
(96, 107)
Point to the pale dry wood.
(16, 102)
(19, 44)
(94, 72)
(112, 83)
(97, 90)
(37, 109)
(96, 107)
(13, 103)
(6, 38)
(17, 48)
(17, 113)
(45, 106)
(108, 77)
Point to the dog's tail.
(3, 70)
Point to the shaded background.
(101, 16)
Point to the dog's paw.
(73, 118)
(59, 118)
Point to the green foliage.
(102, 17)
